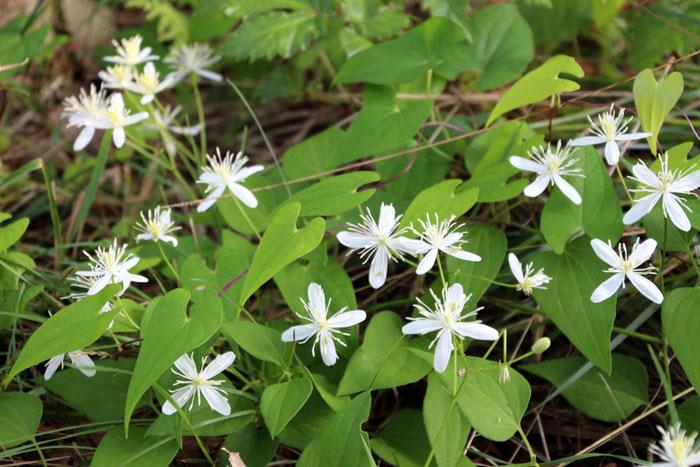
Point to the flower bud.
(541, 345)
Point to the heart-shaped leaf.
(168, 333)
(281, 402)
(655, 100)
(442, 199)
(681, 323)
(436, 407)
(136, 450)
(20, 414)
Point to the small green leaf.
(385, 359)
(260, 341)
(281, 244)
(168, 333)
(436, 407)
(20, 414)
(567, 300)
(73, 328)
(308, 424)
(138, 450)
(606, 398)
(681, 323)
(539, 84)
(281, 402)
(655, 100)
(444, 199)
(13, 232)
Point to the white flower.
(192, 58)
(676, 449)
(130, 52)
(200, 383)
(79, 359)
(148, 83)
(117, 76)
(621, 266)
(227, 172)
(380, 240)
(85, 283)
(446, 319)
(528, 280)
(111, 267)
(550, 168)
(440, 236)
(610, 129)
(665, 184)
(321, 326)
(86, 111)
(167, 120)
(157, 226)
(117, 116)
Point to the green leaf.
(599, 215)
(436, 407)
(13, 232)
(281, 244)
(404, 441)
(342, 441)
(171, 25)
(556, 21)
(136, 450)
(73, 328)
(308, 424)
(20, 414)
(254, 445)
(681, 323)
(281, 402)
(406, 58)
(16, 45)
(605, 10)
(689, 414)
(489, 243)
(494, 409)
(271, 34)
(168, 333)
(334, 195)
(502, 46)
(655, 100)
(606, 398)
(444, 199)
(230, 208)
(567, 300)
(260, 341)
(311, 156)
(385, 359)
(15, 175)
(539, 84)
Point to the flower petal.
(645, 175)
(643, 252)
(317, 299)
(84, 364)
(244, 194)
(378, 268)
(52, 366)
(691, 181)
(299, 333)
(612, 153)
(646, 287)
(464, 255)
(84, 138)
(607, 288)
(408, 245)
(328, 353)
(422, 326)
(119, 137)
(587, 141)
(347, 319)
(186, 366)
(605, 252)
(527, 165)
(387, 218)
(216, 400)
(454, 294)
(219, 364)
(536, 188)
(476, 331)
(676, 213)
(181, 396)
(568, 190)
(632, 136)
(641, 208)
(427, 262)
(443, 351)
(515, 267)
(353, 239)
(211, 199)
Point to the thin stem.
(662, 256)
(172, 269)
(442, 275)
(126, 315)
(638, 335)
(624, 185)
(200, 112)
(245, 216)
(533, 459)
(694, 263)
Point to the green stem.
(172, 269)
(250, 223)
(442, 275)
(200, 112)
(126, 315)
(638, 335)
(39, 451)
(624, 185)
(662, 257)
(533, 459)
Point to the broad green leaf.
(493, 408)
(168, 332)
(539, 84)
(385, 359)
(556, 21)
(606, 398)
(681, 323)
(101, 397)
(20, 414)
(605, 10)
(444, 199)
(375, 21)
(260, 216)
(253, 444)
(404, 441)
(436, 407)
(72, 328)
(342, 441)
(136, 450)
(567, 300)
(489, 243)
(13, 232)
(655, 100)
(689, 414)
(241, 9)
(311, 156)
(15, 301)
(403, 59)
(260, 341)
(308, 424)
(271, 34)
(281, 402)
(644, 53)
(16, 45)
(281, 244)
(599, 215)
(334, 195)
(502, 46)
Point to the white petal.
(216, 400)
(568, 190)
(136, 278)
(422, 326)
(646, 287)
(169, 238)
(645, 175)
(527, 165)
(408, 245)
(119, 137)
(515, 267)
(427, 262)
(605, 252)
(691, 181)
(612, 153)
(443, 351)
(464, 255)
(328, 353)
(378, 268)
(186, 366)
(536, 188)
(208, 74)
(643, 252)
(607, 288)
(246, 172)
(641, 208)
(587, 141)
(347, 319)
(353, 239)
(317, 299)
(52, 366)
(676, 213)
(454, 294)
(244, 194)
(211, 199)
(299, 333)
(219, 364)
(84, 364)
(99, 284)
(632, 136)
(387, 218)
(181, 396)
(147, 99)
(84, 138)
(144, 236)
(476, 331)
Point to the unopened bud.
(503, 374)
(541, 345)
